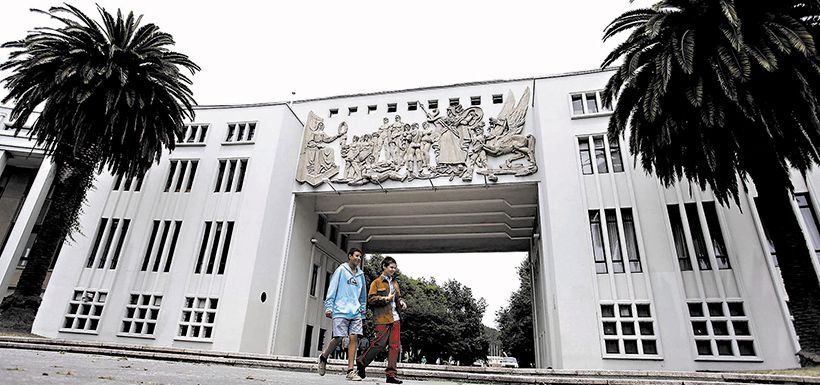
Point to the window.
(181, 174)
(679, 237)
(586, 156)
(614, 241)
(198, 318)
(722, 329)
(327, 283)
(454, 102)
(314, 275)
(475, 100)
(431, 104)
(241, 132)
(160, 234)
(306, 345)
(334, 234)
(321, 343)
(332, 112)
(391, 107)
(412, 106)
(772, 250)
(371, 109)
(192, 134)
(586, 103)
(231, 175)
(109, 230)
(498, 99)
(719, 247)
(628, 331)
(321, 225)
(631, 241)
(597, 241)
(613, 235)
(84, 310)
(216, 243)
(141, 313)
(131, 184)
(352, 110)
(697, 236)
(810, 220)
(615, 155)
(600, 154)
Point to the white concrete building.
(220, 248)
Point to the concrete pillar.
(19, 234)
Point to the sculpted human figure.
(383, 135)
(428, 137)
(394, 141)
(320, 156)
(349, 153)
(413, 160)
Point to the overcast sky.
(262, 51)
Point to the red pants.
(385, 334)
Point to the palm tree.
(715, 91)
(113, 96)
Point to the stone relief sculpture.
(401, 151)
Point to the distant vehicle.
(509, 362)
(494, 361)
(479, 363)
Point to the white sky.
(261, 51)
(489, 275)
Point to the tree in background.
(515, 320)
(112, 95)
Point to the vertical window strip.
(117, 182)
(116, 257)
(231, 173)
(591, 103)
(586, 156)
(577, 104)
(147, 257)
(718, 245)
(597, 241)
(240, 132)
(170, 258)
(231, 129)
(157, 260)
(214, 247)
(697, 236)
(615, 155)
(632, 250)
(128, 182)
(170, 179)
(100, 230)
(219, 175)
(243, 165)
(182, 168)
(314, 275)
(810, 220)
(614, 241)
(203, 247)
(600, 154)
(226, 245)
(679, 237)
(106, 247)
(192, 175)
(203, 130)
(139, 183)
(191, 133)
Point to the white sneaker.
(352, 375)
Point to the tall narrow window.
(219, 174)
(697, 237)
(158, 257)
(147, 257)
(202, 131)
(194, 165)
(231, 129)
(614, 241)
(243, 165)
(721, 256)
(679, 237)
(107, 244)
(203, 247)
(100, 231)
(577, 104)
(597, 241)
(592, 103)
(116, 257)
(600, 154)
(214, 247)
(772, 250)
(169, 259)
(314, 276)
(631, 241)
(231, 173)
(182, 168)
(810, 219)
(586, 156)
(226, 247)
(170, 175)
(306, 352)
(615, 154)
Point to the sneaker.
(352, 376)
(322, 365)
(393, 380)
(360, 370)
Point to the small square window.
(647, 329)
(643, 310)
(431, 104)
(736, 309)
(333, 111)
(746, 348)
(695, 309)
(704, 347)
(371, 108)
(454, 102)
(610, 329)
(498, 99)
(741, 328)
(625, 310)
(649, 347)
(475, 100)
(699, 328)
(628, 328)
(412, 106)
(715, 309)
(352, 110)
(607, 311)
(612, 346)
(720, 328)
(724, 347)
(391, 107)
(630, 346)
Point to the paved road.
(28, 367)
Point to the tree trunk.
(71, 182)
(794, 258)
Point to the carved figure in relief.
(428, 137)
(383, 135)
(316, 160)
(505, 137)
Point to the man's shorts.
(343, 327)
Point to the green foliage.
(515, 320)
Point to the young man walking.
(384, 298)
(345, 304)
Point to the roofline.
(466, 84)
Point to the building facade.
(228, 243)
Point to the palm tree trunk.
(794, 258)
(71, 182)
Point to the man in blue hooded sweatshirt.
(346, 304)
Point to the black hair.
(387, 261)
(353, 250)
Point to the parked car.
(509, 362)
